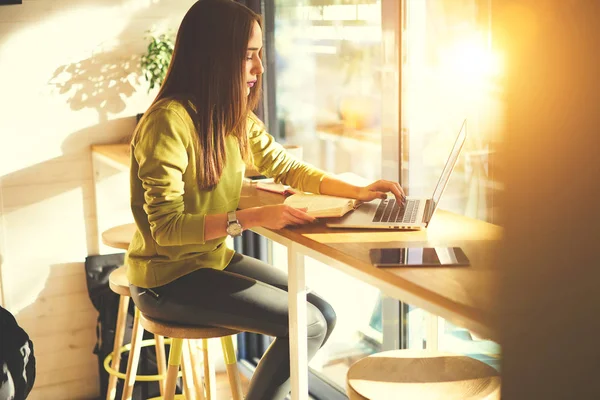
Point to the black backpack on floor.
(98, 269)
(17, 360)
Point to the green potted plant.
(155, 61)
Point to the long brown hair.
(207, 67)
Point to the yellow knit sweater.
(167, 205)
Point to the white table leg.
(298, 334)
(432, 336)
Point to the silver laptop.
(415, 213)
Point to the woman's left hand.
(379, 190)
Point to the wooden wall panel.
(78, 389)
(87, 371)
(64, 90)
(64, 358)
(60, 324)
(78, 338)
(2, 246)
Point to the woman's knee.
(316, 328)
(326, 310)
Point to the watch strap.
(231, 217)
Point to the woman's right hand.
(280, 215)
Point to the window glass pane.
(328, 99)
(449, 74)
(459, 340)
(328, 86)
(358, 330)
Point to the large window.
(449, 74)
(327, 77)
(325, 66)
(380, 88)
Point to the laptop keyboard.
(391, 211)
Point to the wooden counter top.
(463, 295)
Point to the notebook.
(322, 206)
(318, 205)
(415, 213)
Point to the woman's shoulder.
(168, 115)
(169, 111)
(176, 105)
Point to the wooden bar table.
(462, 295)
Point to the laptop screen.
(441, 185)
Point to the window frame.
(394, 313)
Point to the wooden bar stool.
(119, 284)
(119, 237)
(421, 375)
(180, 336)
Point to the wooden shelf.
(118, 153)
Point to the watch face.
(234, 229)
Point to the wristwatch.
(234, 228)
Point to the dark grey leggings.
(248, 295)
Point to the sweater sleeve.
(161, 151)
(271, 159)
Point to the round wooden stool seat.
(120, 236)
(118, 282)
(172, 330)
(180, 340)
(422, 375)
(182, 352)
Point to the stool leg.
(210, 377)
(161, 361)
(186, 369)
(134, 356)
(111, 390)
(196, 369)
(232, 369)
(173, 369)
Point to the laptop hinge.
(428, 211)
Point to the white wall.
(69, 79)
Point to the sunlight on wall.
(58, 237)
(70, 78)
(96, 61)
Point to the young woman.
(189, 154)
